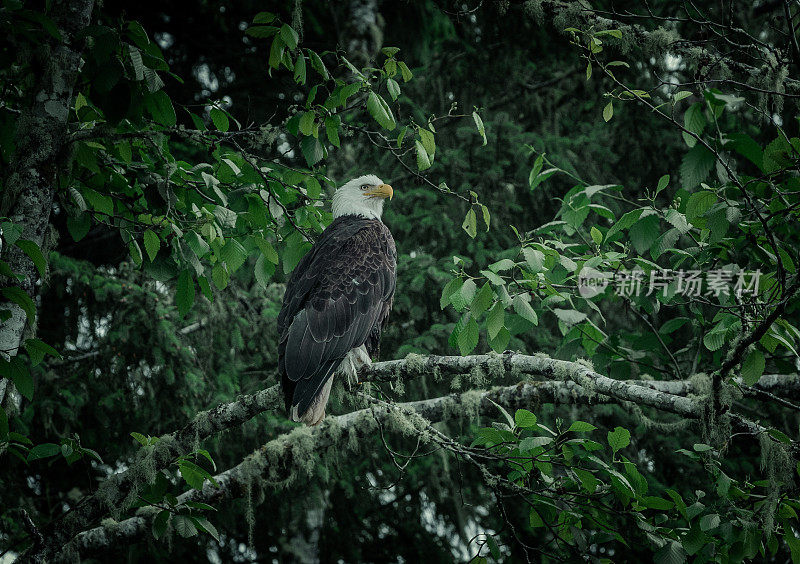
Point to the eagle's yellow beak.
(381, 191)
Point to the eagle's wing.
(338, 294)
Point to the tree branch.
(278, 461)
(571, 382)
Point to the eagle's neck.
(356, 204)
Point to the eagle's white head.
(362, 196)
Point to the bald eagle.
(337, 300)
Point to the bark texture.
(31, 179)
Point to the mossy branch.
(563, 14)
(569, 382)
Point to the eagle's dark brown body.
(337, 299)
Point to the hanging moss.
(778, 464)
(701, 384)
(471, 405)
(534, 10)
(495, 367)
(414, 363)
(657, 42)
(652, 424)
(477, 376)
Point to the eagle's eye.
(364, 186)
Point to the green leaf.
(753, 367)
(468, 337)
(269, 251)
(534, 259)
(673, 325)
(483, 299)
(136, 62)
(480, 126)
(205, 287)
(428, 142)
(493, 548)
(220, 275)
(624, 223)
(318, 65)
(662, 183)
(136, 252)
(79, 225)
(380, 111)
(486, 216)
(196, 243)
(500, 341)
(206, 526)
(22, 299)
(16, 371)
(450, 288)
(696, 165)
(184, 293)
(184, 526)
(306, 123)
(465, 295)
(312, 149)
(644, 233)
(501, 265)
(619, 438)
(151, 244)
(714, 339)
(747, 147)
(3, 424)
(300, 69)
(100, 202)
(524, 419)
(581, 427)
(12, 231)
(264, 270)
(393, 87)
(289, 36)
(193, 474)
(220, 119)
(524, 309)
(423, 161)
(404, 70)
(495, 320)
(588, 480)
(470, 224)
(694, 120)
(677, 220)
(35, 254)
(332, 131)
(670, 553)
(608, 111)
(264, 18)
(699, 203)
(596, 235)
(160, 107)
(44, 450)
(569, 316)
(535, 519)
(144, 441)
(160, 523)
(37, 349)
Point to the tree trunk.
(31, 181)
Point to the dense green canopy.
(564, 175)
